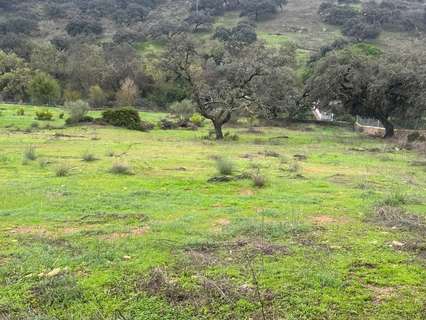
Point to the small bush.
(44, 115)
(259, 180)
(78, 111)
(34, 125)
(123, 117)
(121, 169)
(167, 124)
(89, 157)
(20, 112)
(183, 109)
(30, 153)
(63, 170)
(197, 119)
(61, 115)
(225, 166)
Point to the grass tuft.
(30, 154)
(225, 166)
(121, 169)
(89, 157)
(63, 170)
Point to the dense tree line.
(369, 19)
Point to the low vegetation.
(171, 241)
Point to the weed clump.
(89, 157)
(30, 153)
(121, 169)
(20, 112)
(63, 170)
(225, 166)
(259, 180)
(394, 200)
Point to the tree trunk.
(218, 130)
(389, 128)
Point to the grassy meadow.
(106, 223)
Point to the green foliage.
(44, 89)
(366, 49)
(15, 77)
(44, 115)
(63, 170)
(30, 153)
(120, 168)
(259, 180)
(197, 119)
(183, 109)
(89, 157)
(78, 111)
(225, 166)
(20, 112)
(97, 96)
(123, 117)
(394, 199)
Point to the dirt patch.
(324, 220)
(381, 294)
(136, 232)
(247, 192)
(34, 230)
(222, 222)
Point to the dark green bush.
(123, 117)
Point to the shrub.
(121, 168)
(197, 119)
(20, 112)
(30, 153)
(78, 111)
(167, 124)
(61, 115)
(63, 170)
(259, 180)
(183, 109)
(123, 117)
(224, 166)
(34, 125)
(44, 115)
(89, 157)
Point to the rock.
(397, 244)
(127, 257)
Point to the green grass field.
(338, 231)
